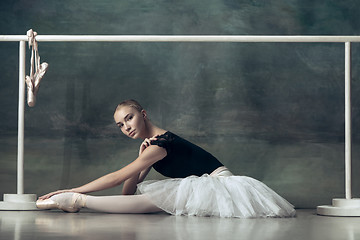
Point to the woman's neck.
(153, 130)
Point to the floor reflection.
(19, 225)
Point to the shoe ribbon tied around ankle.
(33, 81)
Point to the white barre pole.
(197, 38)
(21, 113)
(348, 120)
(181, 38)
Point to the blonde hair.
(131, 103)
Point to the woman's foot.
(68, 202)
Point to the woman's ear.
(144, 114)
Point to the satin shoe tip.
(46, 204)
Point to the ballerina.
(198, 184)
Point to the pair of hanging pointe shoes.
(37, 70)
(68, 202)
(33, 83)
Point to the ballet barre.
(340, 207)
(181, 38)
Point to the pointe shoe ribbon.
(33, 81)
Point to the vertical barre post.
(20, 201)
(348, 120)
(21, 113)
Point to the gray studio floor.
(89, 225)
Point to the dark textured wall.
(273, 111)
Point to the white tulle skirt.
(220, 194)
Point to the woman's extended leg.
(121, 204)
(72, 202)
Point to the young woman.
(198, 183)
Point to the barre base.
(341, 208)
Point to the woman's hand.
(46, 196)
(146, 143)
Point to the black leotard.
(183, 158)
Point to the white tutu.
(222, 195)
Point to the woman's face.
(130, 121)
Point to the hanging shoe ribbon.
(33, 81)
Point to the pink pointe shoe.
(39, 75)
(31, 98)
(68, 202)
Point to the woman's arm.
(143, 174)
(130, 184)
(149, 156)
(129, 187)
